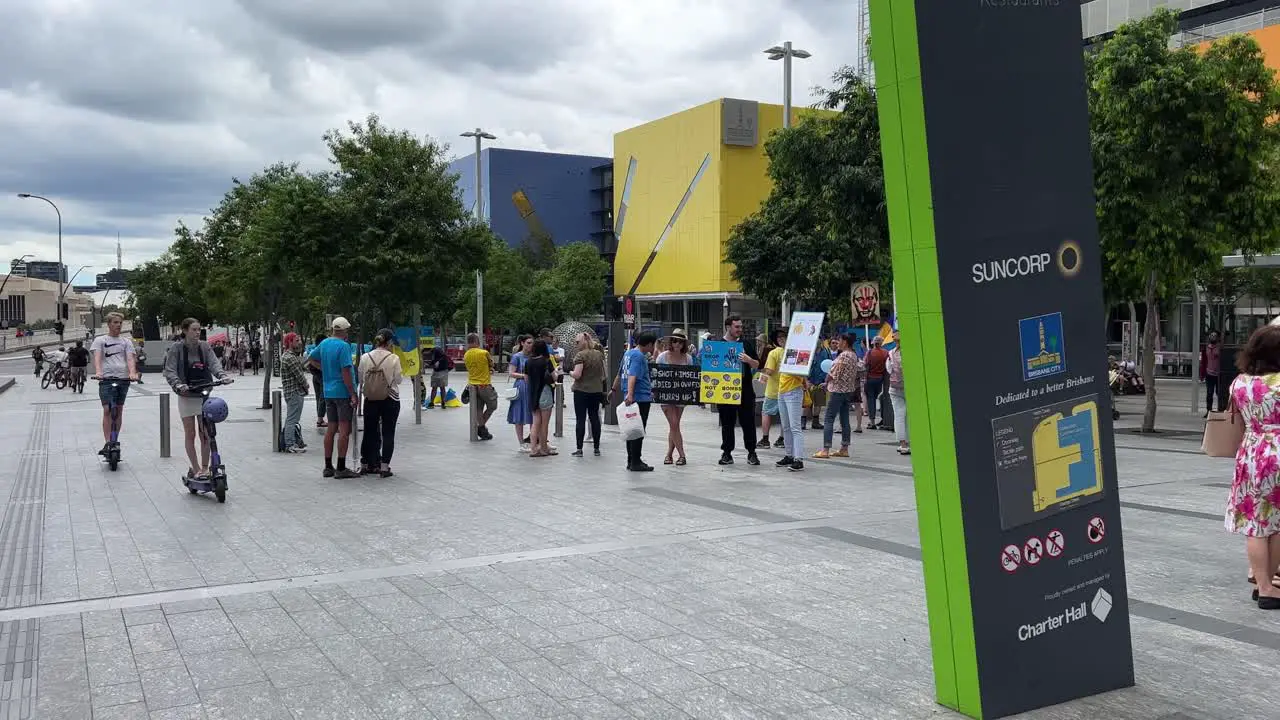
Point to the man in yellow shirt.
(479, 364)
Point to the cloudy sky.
(135, 114)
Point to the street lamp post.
(785, 52)
(61, 269)
(480, 136)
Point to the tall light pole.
(61, 269)
(785, 52)
(480, 136)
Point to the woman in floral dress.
(1253, 506)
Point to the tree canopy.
(824, 225)
(1181, 144)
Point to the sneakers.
(726, 459)
(753, 459)
(483, 433)
(640, 467)
(295, 449)
(797, 466)
(328, 472)
(576, 453)
(346, 474)
(785, 461)
(779, 443)
(596, 452)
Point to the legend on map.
(1047, 460)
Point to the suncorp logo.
(1067, 259)
(1099, 607)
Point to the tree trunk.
(1149, 334)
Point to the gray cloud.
(134, 114)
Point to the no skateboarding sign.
(1054, 543)
(1010, 558)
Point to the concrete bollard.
(473, 414)
(559, 429)
(164, 424)
(277, 434)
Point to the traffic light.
(58, 327)
(66, 311)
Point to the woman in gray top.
(189, 366)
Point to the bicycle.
(213, 411)
(56, 375)
(112, 451)
(77, 380)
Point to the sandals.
(822, 454)
(1275, 581)
(668, 461)
(681, 461)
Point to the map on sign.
(1047, 460)
(1068, 464)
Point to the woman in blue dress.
(520, 412)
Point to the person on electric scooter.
(190, 368)
(114, 365)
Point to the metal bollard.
(474, 412)
(559, 431)
(417, 399)
(277, 436)
(164, 424)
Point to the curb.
(7, 383)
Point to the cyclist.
(114, 365)
(37, 354)
(190, 363)
(78, 357)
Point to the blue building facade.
(568, 197)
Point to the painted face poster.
(865, 299)
(721, 373)
(802, 341)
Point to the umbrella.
(218, 338)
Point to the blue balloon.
(826, 365)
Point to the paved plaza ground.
(481, 583)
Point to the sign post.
(989, 182)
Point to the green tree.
(172, 286)
(824, 225)
(538, 250)
(1180, 140)
(520, 297)
(400, 235)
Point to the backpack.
(375, 381)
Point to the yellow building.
(681, 184)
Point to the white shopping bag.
(629, 422)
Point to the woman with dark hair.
(1253, 505)
(380, 384)
(520, 412)
(542, 394)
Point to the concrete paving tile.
(110, 695)
(153, 637)
(532, 706)
(260, 701)
(447, 702)
(187, 712)
(227, 668)
(298, 666)
(167, 687)
(132, 711)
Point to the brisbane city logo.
(1068, 259)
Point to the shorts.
(770, 407)
(189, 406)
(440, 379)
(339, 410)
(108, 393)
(818, 395)
(486, 398)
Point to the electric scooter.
(211, 413)
(112, 451)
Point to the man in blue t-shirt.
(333, 358)
(639, 391)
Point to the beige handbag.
(1223, 433)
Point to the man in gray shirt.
(115, 365)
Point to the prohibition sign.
(1096, 530)
(1054, 543)
(1033, 551)
(1010, 558)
